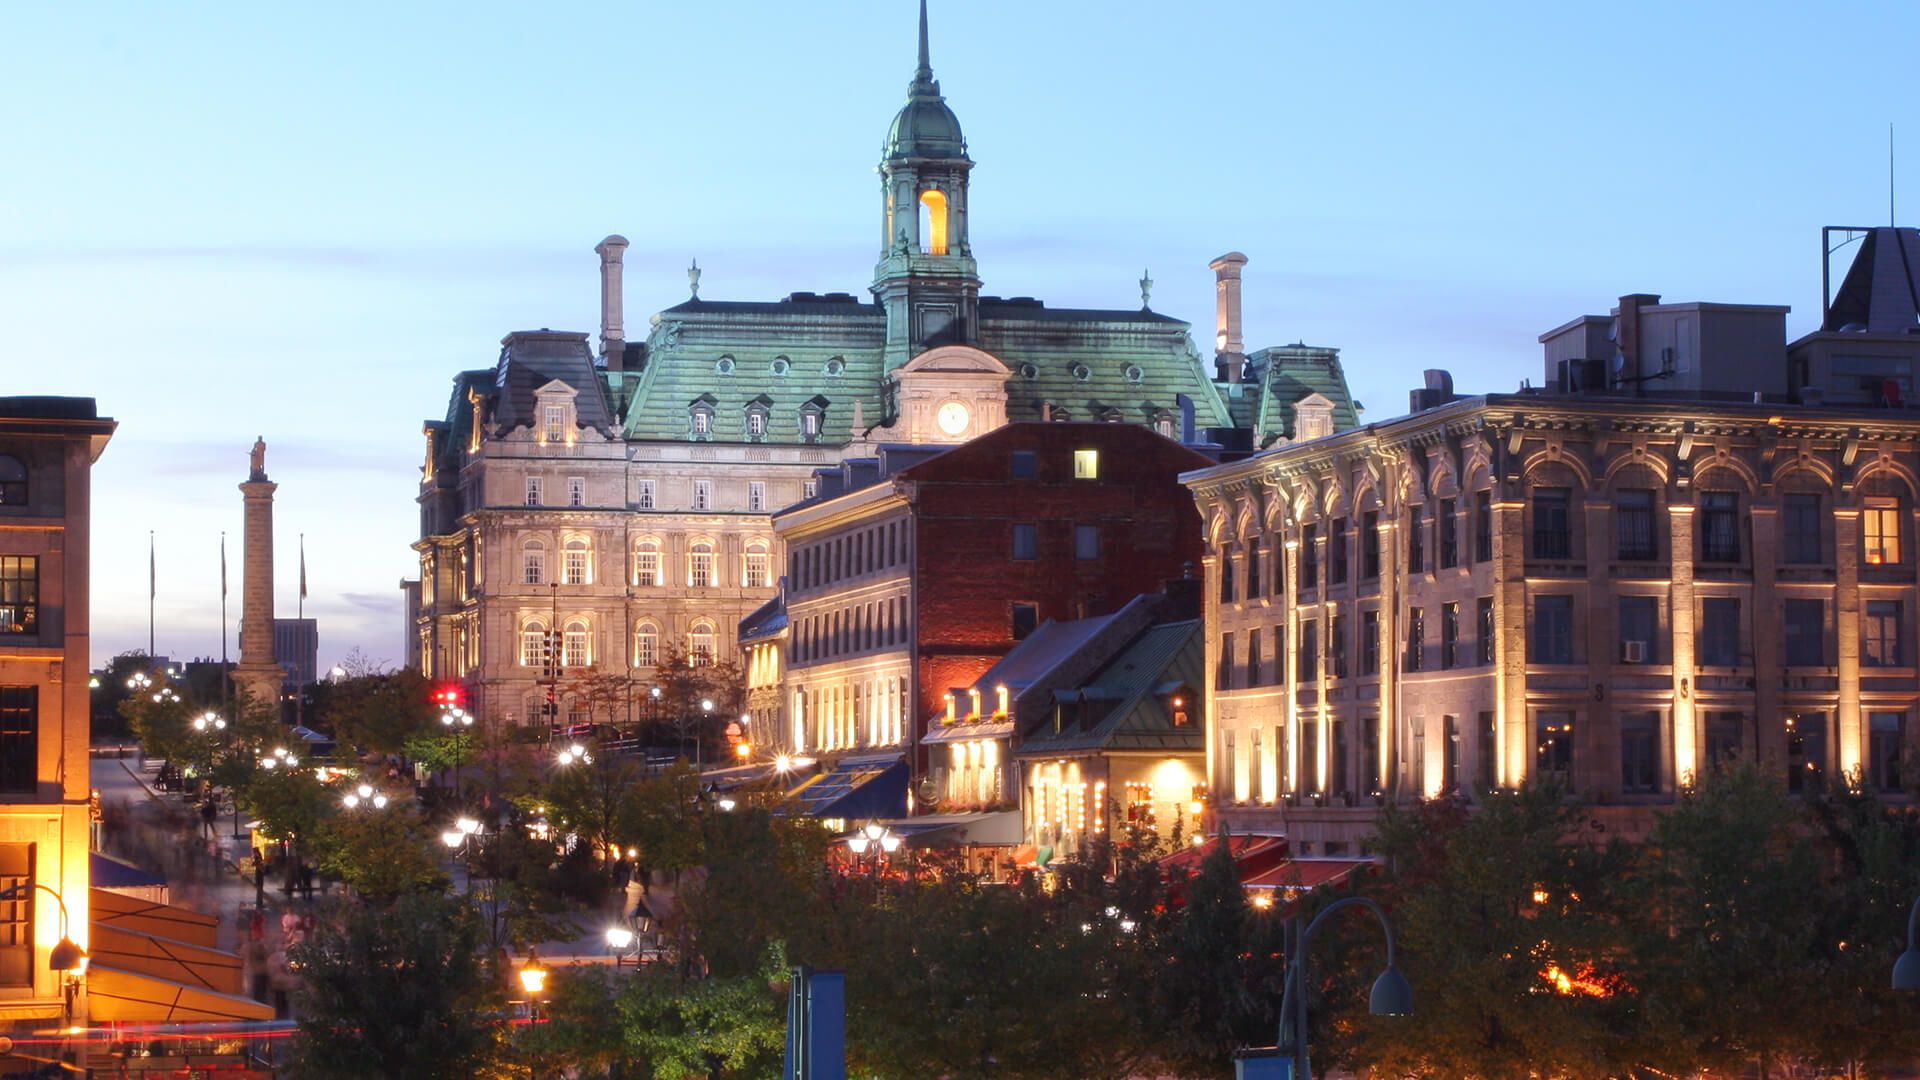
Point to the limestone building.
(583, 508)
(1692, 542)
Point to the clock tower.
(926, 278)
(948, 394)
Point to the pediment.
(956, 358)
(557, 386)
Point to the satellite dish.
(1613, 330)
(1619, 363)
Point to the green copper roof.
(1279, 377)
(925, 127)
(1132, 690)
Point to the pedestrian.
(257, 925)
(213, 855)
(306, 881)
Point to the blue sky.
(225, 221)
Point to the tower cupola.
(926, 278)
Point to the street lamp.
(533, 979)
(67, 958)
(1391, 996)
(1906, 970)
(874, 837)
(573, 754)
(364, 795)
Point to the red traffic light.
(447, 696)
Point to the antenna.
(1890, 221)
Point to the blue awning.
(850, 791)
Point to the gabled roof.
(1135, 683)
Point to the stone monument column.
(256, 673)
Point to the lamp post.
(706, 715)
(365, 797)
(876, 837)
(456, 840)
(533, 979)
(456, 720)
(67, 958)
(1391, 996)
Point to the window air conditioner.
(1633, 652)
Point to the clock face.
(952, 418)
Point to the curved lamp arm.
(1391, 995)
(1906, 970)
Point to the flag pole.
(153, 590)
(300, 625)
(223, 621)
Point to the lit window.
(556, 423)
(573, 648)
(1879, 525)
(643, 494)
(756, 423)
(809, 488)
(1086, 464)
(533, 491)
(756, 568)
(576, 491)
(933, 223)
(703, 494)
(700, 566)
(646, 646)
(533, 645)
(576, 567)
(646, 563)
(702, 422)
(533, 562)
(756, 495)
(700, 644)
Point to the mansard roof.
(1881, 292)
(529, 360)
(1285, 375)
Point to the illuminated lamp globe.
(619, 937)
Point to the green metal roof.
(1169, 653)
(1280, 376)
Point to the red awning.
(1299, 874)
(1251, 854)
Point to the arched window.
(13, 481)
(646, 645)
(533, 643)
(933, 222)
(574, 645)
(756, 575)
(577, 565)
(646, 562)
(700, 643)
(533, 563)
(700, 571)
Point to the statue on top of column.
(259, 459)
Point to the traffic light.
(448, 696)
(553, 706)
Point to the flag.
(303, 566)
(223, 567)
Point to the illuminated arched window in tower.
(574, 646)
(933, 222)
(700, 641)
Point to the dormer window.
(554, 413)
(1312, 418)
(813, 417)
(1163, 423)
(756, 423)
(700, 417)
(555, 424)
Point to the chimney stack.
(613, 343)
(1229, 348)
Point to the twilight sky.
(300, 221)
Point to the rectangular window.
(1880, 531)
(1253, 571)
(1370, 546)
(1640, 753)
(1450, 754)
(533, 565)
(1086, 464)
(1337, 552)
(1719, 526)
(1449, 635)
(646, 649)
(1800, 528)
(1416, 639)
(576, 491)
(1307, 664)
(16, 915)
(1370, 643)
(1223, 667)
(809, 488)
(1310, 757)
(1552, 526)
(1086, 542)
(19, 739)
(1337, 646)
(1279, 655)
(1553, 630)
(1633, 526)
(1026, 541)
(1483, 614)
(1887, 737)
(533, 491)
(1255, 766)
(1880, 635)
(1025, 618)
(1483, 526)
(757, 570)
(1227, 574)
(1309, 557)
(1449, 535)
(1022, 464)
(1805, 625)
(1370, 753)
(1719, 631)
(1806, 751)
(1488, 758)
(19, 594)
(1639, 625)
(643, 494)
(1253, 658)
(1416, 539)
(1724, 737)
(646, 566)
(1553, 748)
(1337, 782)
(703, 494)
(757, 496)
(556, 423)
(573, 566)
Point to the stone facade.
(47, 450)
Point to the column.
(1682, 609)
(1848, 722)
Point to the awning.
(127, 997)
(1297, 875)
(855, 791)
(1251, 854)
(967, 731)
(1031, 857)
(995, 828)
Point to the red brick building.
(913, 571)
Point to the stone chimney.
(613, 344)
(1229, 347)
(1627, 335)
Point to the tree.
(596, 799)
(378, 711)
(399, 991)
(722, 1028)
(688, 684)
(608, 696)
(383, 854)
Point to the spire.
(923, 75)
